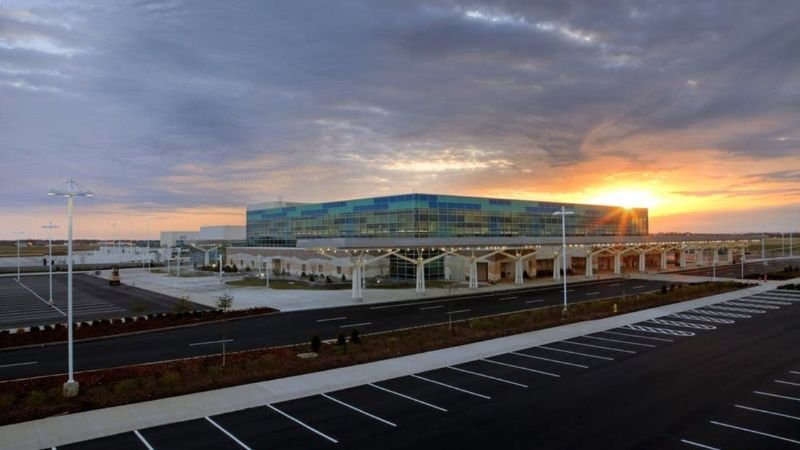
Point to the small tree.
(225, 302)
(344, 278)
(341, 341)
(663, 288)
(355, 338)
(316, 343)
(183, 305)
(328, 279)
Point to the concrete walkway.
(61, 430)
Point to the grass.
(40, 397)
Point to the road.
(735, 270)
(298, 327)
(725, 376)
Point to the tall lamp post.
(70, 190)
(50, 227)
(563, 213)
(18, 233)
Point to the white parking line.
(29, 363)
(766, 302)
(451, 387)
(702, 318)
(638, 287)
(332, 319)
(506, 298)
(787, 382)
(721, 314)
(794, 372)
(599, 346)
(431, 307)
(551, 360)
(639, 337)
(620, 341)
(592, 293)
(699, 445)
(144, 441)
(755, 432)
(768, 394)
(614, 285)
(576, 353)
(308, 427)
(459, 311)
(729, 308)
(522, 368)
(539, 300)
(407, 397)
(362, 324)
(750, 305)
(242, 444)
(358, 410)
(767, 412)
(489, 377)
(678, 323)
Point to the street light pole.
(50, 227)
(70, 189)
(563, 213)
(18, 233)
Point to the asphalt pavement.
(722, 374)
(298, 327)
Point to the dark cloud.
(142, 93)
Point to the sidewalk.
(61, 430)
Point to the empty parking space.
(124, 441)
(263, 427)
(199, 432)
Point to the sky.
(177, 114)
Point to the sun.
(627, 198)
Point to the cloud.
(206, 104)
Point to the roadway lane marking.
(794, 372)
(535, 301)
(451, 387)
(431, 307)
(144, 441)
(639, 337)
(755, 432)
(459, 311)
(522, 368)
(699, 445)
(551, 360)
(618, 341)
(407, 397)
(358, 410)
(228, 434)
(489, 377)
(221, 341)
(506, 298)
(399, 305)
(362, 324)
(638, 287)
(787, 382)
(600, 347)
(768, 394)
(576, 353)
(308, 427)
(614, 285)
(29, 363)
(568, 290)
(767, 412)
(332, 319)
(592, 293)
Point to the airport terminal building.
(430, 236)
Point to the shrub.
(316, 343)
(663, 288)
(36, 398)
(7, 400)
(341, 340)
(126, 386)
(169, 379)
(311, 277)
(344, 278)
(355, 338)
(328, 279)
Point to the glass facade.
(431, 216)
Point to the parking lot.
(26, 303)
(465, 396)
